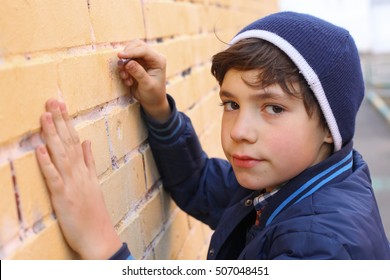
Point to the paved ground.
(372, 140)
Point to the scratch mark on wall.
(114, 160)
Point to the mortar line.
(22, 227)
(93, 36)
(144, 18)
(138, 205)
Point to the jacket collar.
(335, 168)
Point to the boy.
(292, 188)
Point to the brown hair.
(276, 68)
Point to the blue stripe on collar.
(310, 184)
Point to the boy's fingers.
(88, 157)
(49, 171)
(129, 51)
(138, 72)
(59, 156)
(138, 49)
(74, 136)
(53, 106)
(124, 75)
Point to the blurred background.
(369, 23)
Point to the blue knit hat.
(326, 56)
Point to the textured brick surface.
(116, 21)
(28, 25)
(175, 234)
(68, 49)
(86, 78)
(96, 132)
(190, 249)
(130, 233)
(23, 96)
(124, 187)
(49, 244)
(152, 218)
(34, 197)
(126, 130)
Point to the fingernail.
(63, 108)
(54, 104)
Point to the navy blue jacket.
(328, 211)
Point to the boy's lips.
(243, 161)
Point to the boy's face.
(267, 135)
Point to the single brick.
(126, 129)
(9, 222)
(96, 132)
(178, 53)
(131, 234)
(173, 237)
(151, 172)
(152, 218)
(202, 83)
(204, 46)
(87, 79)
(180, 89)
(116, 21)
(34, 196)
(124, 188)
(19, 112)
(29, 26)
(171, 23)
(193, 245)
(202, 253)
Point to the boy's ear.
(328, 138)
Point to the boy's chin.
(256, 185)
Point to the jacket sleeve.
(122, 254)
(199, 185)
(307, 246)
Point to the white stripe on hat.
(306, 70)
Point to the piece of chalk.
(123, 61)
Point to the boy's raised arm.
(145, 73)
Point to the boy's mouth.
(243, 161)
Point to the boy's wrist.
(104, 247)
(165, 131)
(159, 113)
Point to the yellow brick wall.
(67, 49)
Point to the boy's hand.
(145, 73)
(69, 170)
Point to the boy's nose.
(243, 129)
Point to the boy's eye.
(230, 106)
(274, 109)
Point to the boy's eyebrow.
(258, 96)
